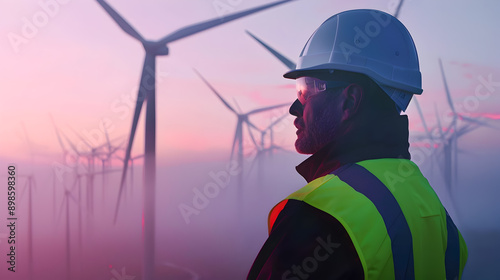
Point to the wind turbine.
(270, 129)
(242, 120)
(77, 181)
(59, 168)
(262, 150)
(94, 152)
(453, 132)
(147, 91)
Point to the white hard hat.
(369, 42)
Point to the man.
(367, 212)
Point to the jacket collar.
(381, 137)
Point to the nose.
(296, 109)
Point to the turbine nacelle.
(156, 48)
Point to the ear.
(352, 96)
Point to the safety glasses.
(309, 86)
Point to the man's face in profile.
(316, 120)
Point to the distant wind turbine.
(269, 129)
(262, 149)
(452, 133)
(147, 91)
(242, 120)
(415, 100)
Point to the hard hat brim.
(297, 73)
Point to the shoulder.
(306, 241)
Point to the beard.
(318, 133)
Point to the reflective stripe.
(397, 227)
(273, 215)
(452, 257)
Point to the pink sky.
(82, 68)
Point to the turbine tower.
(65, 204)
(28, 186)
(147, 91)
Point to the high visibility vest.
(394, 218)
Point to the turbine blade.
(73, 198)
(61, 143)
(398, 9)
(198, 27)
(448, 95)
(81, 138)
(288, 63)
(28, 141)
(238, 125)
(476, 121)
(267, 108)
(26, 185)
(466, 129)
(136, 157)
(125, 26)
(422, 118)
(73, 147)
(107, 140)
(249, 125)
(105, 171)
(144, 89)
(33, 182)
(439, 123)
(216, 93)
(275, 122)
(237, 105)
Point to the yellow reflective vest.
(398, 226)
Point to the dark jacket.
(302, 231)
